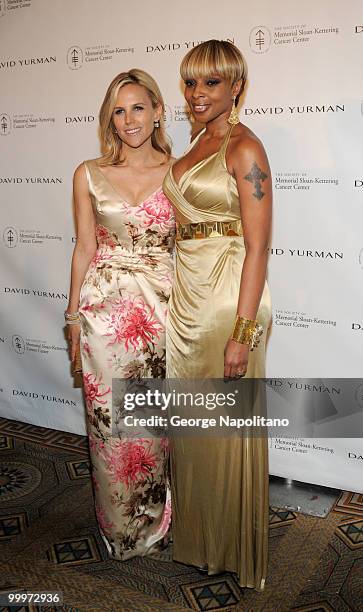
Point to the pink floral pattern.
(130, 461)
(123, 310)
(106, 237)
(132, 322)
(94, 390)
(157, 211)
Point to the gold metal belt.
(208, 229)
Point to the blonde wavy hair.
(111, 144)
(215, 57)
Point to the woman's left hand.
(235, 359)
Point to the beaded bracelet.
(72, 318)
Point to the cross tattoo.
(256, 176)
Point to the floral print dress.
(123, 307)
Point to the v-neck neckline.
(205, 159)
(123, 199)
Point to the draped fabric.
(123, 306)
(219, 485)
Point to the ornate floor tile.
(75, 552)
(6, 442)
(349, 503)
(17, 479)
(212, 594)
(280, 516)
(45, 436)
(352, 533)
(79, 469)
(11, 525)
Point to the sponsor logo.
(53, 295)
(177, 45)
(261, 111)
(175, 114)
(80, 119)
(31, 345)
(358, 29)
(13, 237)
(360, 258)
(5, 124)
(18, 344)
(299, 445)
(308, 253)
(357, 326)
(262, 39)
(10, 237)
(288, 181)
(46, 397)
(302, 385)
(356, 456)
(11, 5)
(24, 121)
(30, 180)
(302, 320)
(28, 61)
(77, 57)
(358, 183)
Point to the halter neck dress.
(219, 485)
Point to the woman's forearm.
(80, 264)
(252, 282)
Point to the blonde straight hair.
(215, 57)
(111, 144)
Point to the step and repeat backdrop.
(304, 100)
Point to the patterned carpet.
(49, 541)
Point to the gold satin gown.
(219, 485)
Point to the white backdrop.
(304, 100)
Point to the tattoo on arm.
(256, 176)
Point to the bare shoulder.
(80, 181)
(80, 174)
(245, 147)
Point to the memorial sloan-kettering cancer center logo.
(5, 123)
(260, 39)
(75, 57)
(10, 237)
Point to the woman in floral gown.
(120, 284)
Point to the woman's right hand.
(74, 332)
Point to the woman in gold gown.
(221, 193)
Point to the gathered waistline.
(208, 229)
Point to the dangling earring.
(233, 118)
(157, 124)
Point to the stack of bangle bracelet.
(72, 318)
(247, 331)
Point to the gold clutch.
(77, 363)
